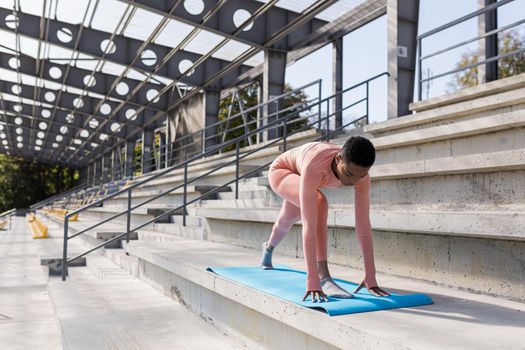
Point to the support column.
(92, 172)
(98, 170)
(488, 47)
(106, 167)
(115, 164)
(167, 151)
(402, 19)
(211, 116)
(88, 174)
(273, 85)
(147, 151)
(130, 154)
(162, 150)
(337, 81)
(83, 175)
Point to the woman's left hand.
(378, 292)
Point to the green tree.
(24, 182)
(507, 66)
(234, 128)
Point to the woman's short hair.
(359, 150)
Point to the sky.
(365, 53)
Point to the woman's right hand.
(317, 296)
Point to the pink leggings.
(285, 183)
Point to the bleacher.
(447, 213)
(37, 227)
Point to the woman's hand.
(378, 292)
(317, 295)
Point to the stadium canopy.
(79, 78)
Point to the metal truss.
(102, 111)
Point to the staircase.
(447, 213)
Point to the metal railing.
(9, 214)
(474, 14)
(281, 124)
(195, 143)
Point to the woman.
(296, 176)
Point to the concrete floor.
(118, 312)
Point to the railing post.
(420, 72)
(237, 146)
(367, 103)
(285, 134)
(184, 199)
(328, 119)
(128, 218)
(319, 102)
(64, 255)
(203, 146)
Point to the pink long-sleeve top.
(312, 161)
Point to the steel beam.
(402, 48)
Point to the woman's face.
(349, 173)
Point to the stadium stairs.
(447, 211)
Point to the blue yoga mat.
(289, 284)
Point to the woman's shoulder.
(321, 150)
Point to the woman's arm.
(310, 180)
(364, 229)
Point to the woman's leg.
(288, 216)
(285, 183)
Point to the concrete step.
(489, 179)
(102, 233)
(233, 203)
(246, 194)
(452, 108)
(191, 221)
(249, 163)
(489, 124)
(178, 269)
(140, 195)
(176, 229)
(474, 250)
(139, 215)
(497, 131)
(218, 177)
(222, 158)
(468, 164)
(110, 309)
(158, 236)
(482, 90)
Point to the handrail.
(253, 108)
(9, 214)
(202, 132)
(274, 124)
(464, 18)
(421, 58)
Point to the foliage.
(507, 66)
(23, 182)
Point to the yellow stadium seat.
(38, 228)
